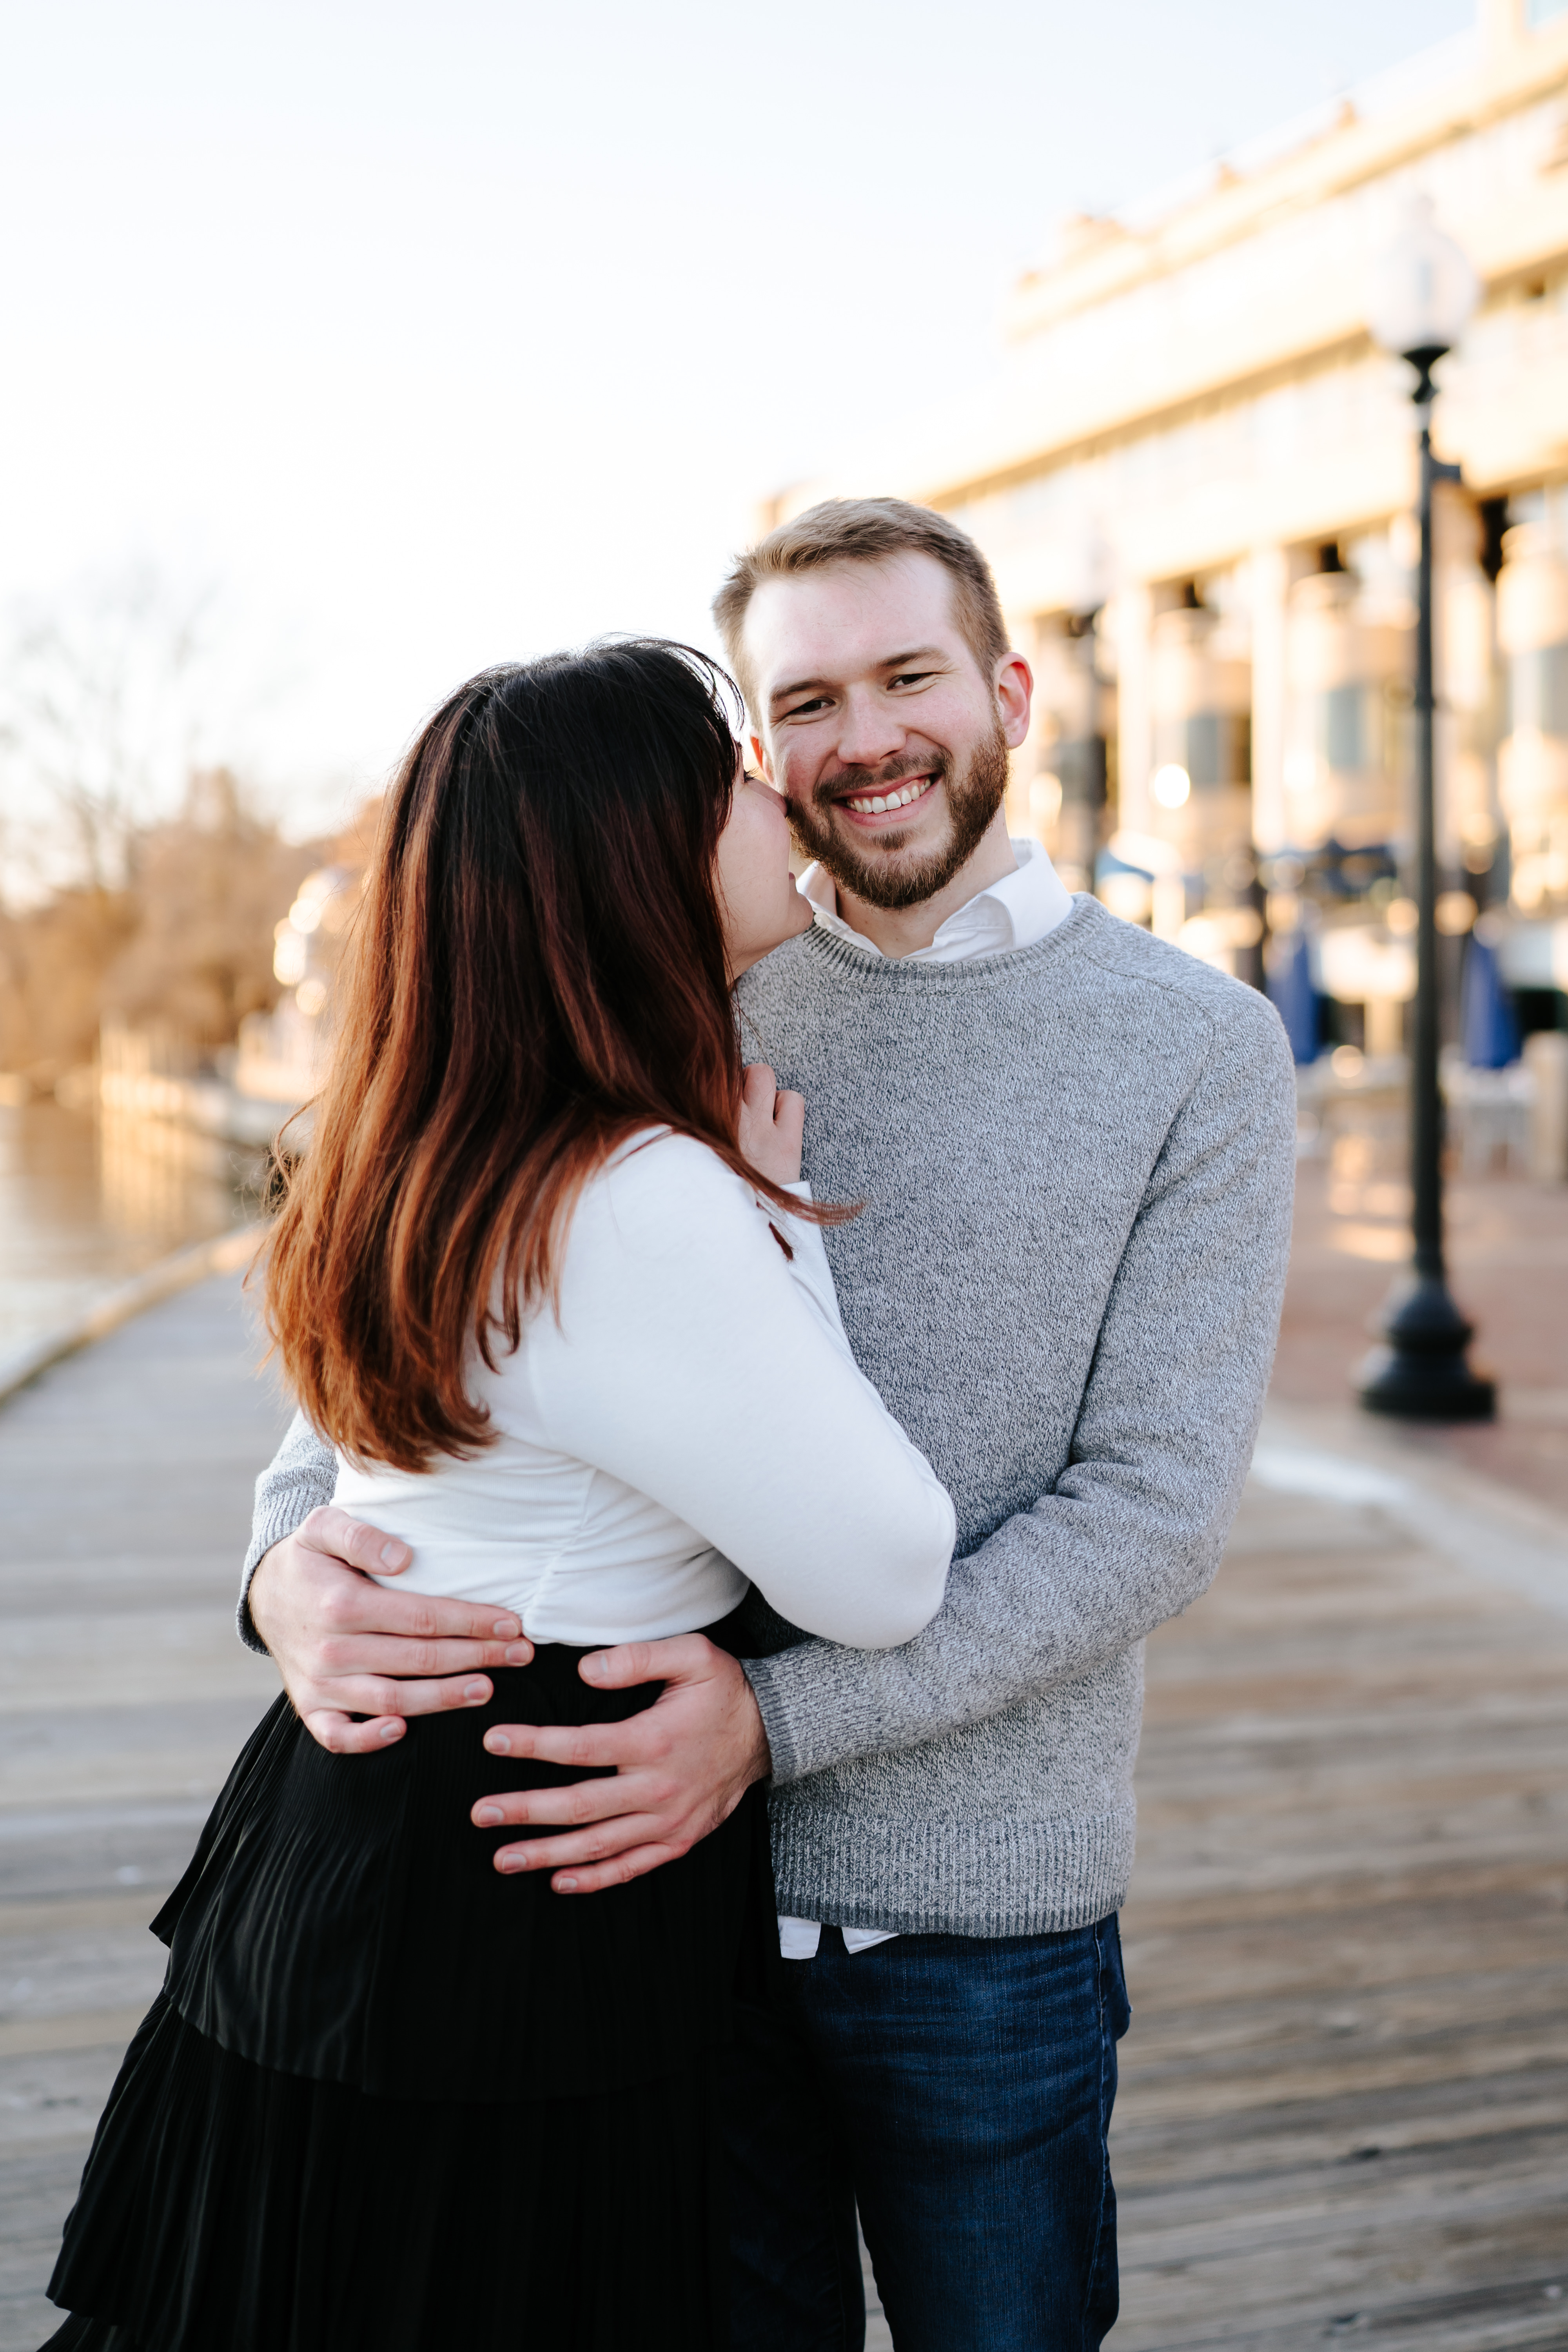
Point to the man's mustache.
(850, 784)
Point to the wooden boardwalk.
(1345, 2100)
(1344, 2106)
(125, 1475)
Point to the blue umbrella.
(1292, 994)
(1487, 1019)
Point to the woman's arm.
(688, 1361)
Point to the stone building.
(1194, 476)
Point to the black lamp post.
(1423, 293)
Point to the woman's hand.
(772, 1125)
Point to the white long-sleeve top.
(692, 1420)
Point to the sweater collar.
(1014, 912)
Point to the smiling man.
(1074, 1145)
(890, 702)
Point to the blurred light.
(1168, 907)
(1046, 798)
(1423, 292)
(310, 996)
(1456, 911)
(288, 954)
(1284, 910)
(1401, 915)
(1171, 786)
(1405, 541)
(305, 914)
(1129, 896)
(1346, 1061)
(1215, 937)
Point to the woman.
(547, 1282)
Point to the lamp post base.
(1419, 1371)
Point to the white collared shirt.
(1011, 914)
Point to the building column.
(1134, 627)
(1270, 586)
(1503, 27)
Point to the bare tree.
(100, 721)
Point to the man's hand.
(339, 1639)
(682, 1766)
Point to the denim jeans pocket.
(1117, 2008)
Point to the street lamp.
(1423, 293)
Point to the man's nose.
(867, 734)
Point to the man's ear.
(760, 754)
(1015, 692)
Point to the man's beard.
(875, 873)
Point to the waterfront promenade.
(1345, 2103)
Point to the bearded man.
(1075, 1148)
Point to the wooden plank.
(1345, 2103)
(124, 1699)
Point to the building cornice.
(1303, 315)
(1516, 71)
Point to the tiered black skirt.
(389, 2098)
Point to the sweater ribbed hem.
(1005, 1877)
(278, 1513)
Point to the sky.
(413, 338)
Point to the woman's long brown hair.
(538, 973)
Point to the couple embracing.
(711, 1589)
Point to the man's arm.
(299, 1479)
(1133, 1532)
(344, 1645)
(1130, 1534)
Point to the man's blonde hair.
(864, 531)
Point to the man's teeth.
(877, 803)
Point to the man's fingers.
(608, 1746)
(344, 1736)
(332, 1530)
(677, 1659)
(379, 1694)
(392, 1654)
(599, 1846)
(584, 1800)
(422, 1617)
(592, 1878)
(349, 1605)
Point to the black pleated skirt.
(389, 2098)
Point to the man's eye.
(804, 709)
(913, 677)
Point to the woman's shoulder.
(659, 1180)
(661, 1219)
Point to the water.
(88, 1199)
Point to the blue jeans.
(957, 2089)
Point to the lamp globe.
(1423, 291)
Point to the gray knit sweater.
(1076, 1164)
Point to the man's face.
(887, 741)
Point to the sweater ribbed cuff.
(282, 1511)
(820, 1706)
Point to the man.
(1075, 1148)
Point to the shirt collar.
(1012, 913)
